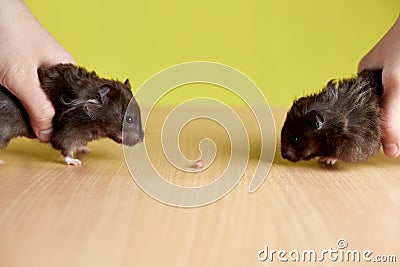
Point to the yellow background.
(287, 48)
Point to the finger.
(41, 116)
(25, 86)
(51, 60)
(371, 60)
(391, 113)
(55, 54)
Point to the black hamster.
(342, 122)
(87, 108)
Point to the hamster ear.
(104, 92)
(127, 84)
(315, 119)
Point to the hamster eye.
(294, 139)
(129, 119)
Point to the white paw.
(83, 149)
(1, 162)
(72, 161)
(327, 160)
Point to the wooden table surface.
(96, 215)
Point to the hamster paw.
(327, 160)
(83, 149)
(72, 161)
(1, 162)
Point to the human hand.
(386, 55)
(24, 46)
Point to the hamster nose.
(137, 137)
(289, 155)
(132, 138)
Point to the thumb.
(391, 114)
(41, 113)
(40, 110)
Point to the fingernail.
(391, 150)
(45, 135)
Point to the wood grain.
(95, 214)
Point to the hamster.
(87, 108)
(342, 122)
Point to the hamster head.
(115, 97)
(302, 136)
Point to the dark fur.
(342, 122)
(87, 108)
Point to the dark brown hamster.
(87, 108)
(342, 122)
